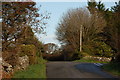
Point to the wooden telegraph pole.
(81, 38)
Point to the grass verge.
(33, 71)
(90, 61)
(113, 68)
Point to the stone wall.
(104, 59)
(23, 62)
(7, 67)
(8, 70)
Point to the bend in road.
(75, 70)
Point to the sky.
(57, 9)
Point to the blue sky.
(57, 9)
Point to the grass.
(41, 60)
(113, 68)
(87, 60)
(33, 71)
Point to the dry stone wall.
(99, 58)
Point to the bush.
(113, 68)
(88, 49)
(78, 55)
(103, 50)
(117, 58)
(98, 48)
(10, 57)
(53, 57)
(30, 51)
(69, 54)
(40, 60)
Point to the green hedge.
(30, 51)
(98, 48)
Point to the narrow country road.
(75, 70)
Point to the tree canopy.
(17, 17)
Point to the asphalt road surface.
(75, 70)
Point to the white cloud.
(48, 39)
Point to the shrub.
(78, 55)
(98, 48)
(88, 49)
(30, 51)
(53, 57)
(40, 60)
(117, 59)
(10, 57)
(103, 50)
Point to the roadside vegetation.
(90, 61)
(21, 49)
(113, 68)
(82, 32)
(33, 71)
(94, 30)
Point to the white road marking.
(98, 64)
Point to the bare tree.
(78, 27)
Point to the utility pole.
(81, 38)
